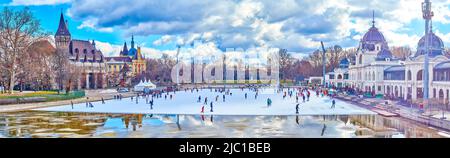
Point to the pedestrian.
(303, 97)
(223, 97)
(71, 103)
(171, 97)
(333, 103)
(217, 98)
(151, 104)
(296, 98)
(206, 101)
(199, 99)
(103, 101)
(296, 108)
(211, 105)
(165, 96)
(245, 95)
(268, 102)
(203, 109)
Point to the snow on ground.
(236, 104)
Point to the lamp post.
(427, 15)
(178, 68)
(323, 63)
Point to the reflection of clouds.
(192, 126)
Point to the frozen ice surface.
(236, 104)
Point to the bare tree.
(286, 62)
(18, 31)
(401, 52)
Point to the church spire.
(62, 28)
(125, 49)
(132, 41)
(373, 18)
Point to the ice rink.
(235, 104)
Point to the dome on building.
(384, 54)
(437, 46)
(344, 63)
(373, 35)
(132, 52)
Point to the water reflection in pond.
(60, 124)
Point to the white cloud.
(297, 25)
(90, 23)
(37, 2)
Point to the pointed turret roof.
(62, 28)
(132, 41)
(124, 52)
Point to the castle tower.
(62, 36)
(132, 41)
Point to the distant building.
(84, 56)
(131, 57)
(375, 70)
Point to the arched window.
(409, 75)
(84, 51)
(419, 75)
(339, 77)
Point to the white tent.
(143, 85)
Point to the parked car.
(122, 90)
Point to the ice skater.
(151, 104)
(223, 98)
(203, 109)
(333, 103)
(296, 98)
(323, 129)
(245, 95)
(71, 103)
(103, 101)
(296, 108)
(269, 102)
(303, 97)
(308, 94)
(90, 105)
(206, 101)
(199, 99)
(217, 98)
(211, 105)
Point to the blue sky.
(297, 25)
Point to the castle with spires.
(131, 59)
(83, 56)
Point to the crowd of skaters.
(292, 92)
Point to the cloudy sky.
(297, 25)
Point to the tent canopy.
(144, 85)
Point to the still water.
(36, 124)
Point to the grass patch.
(49, 95)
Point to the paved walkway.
(94, 95)
(433, 118)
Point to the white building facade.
(376, 71)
